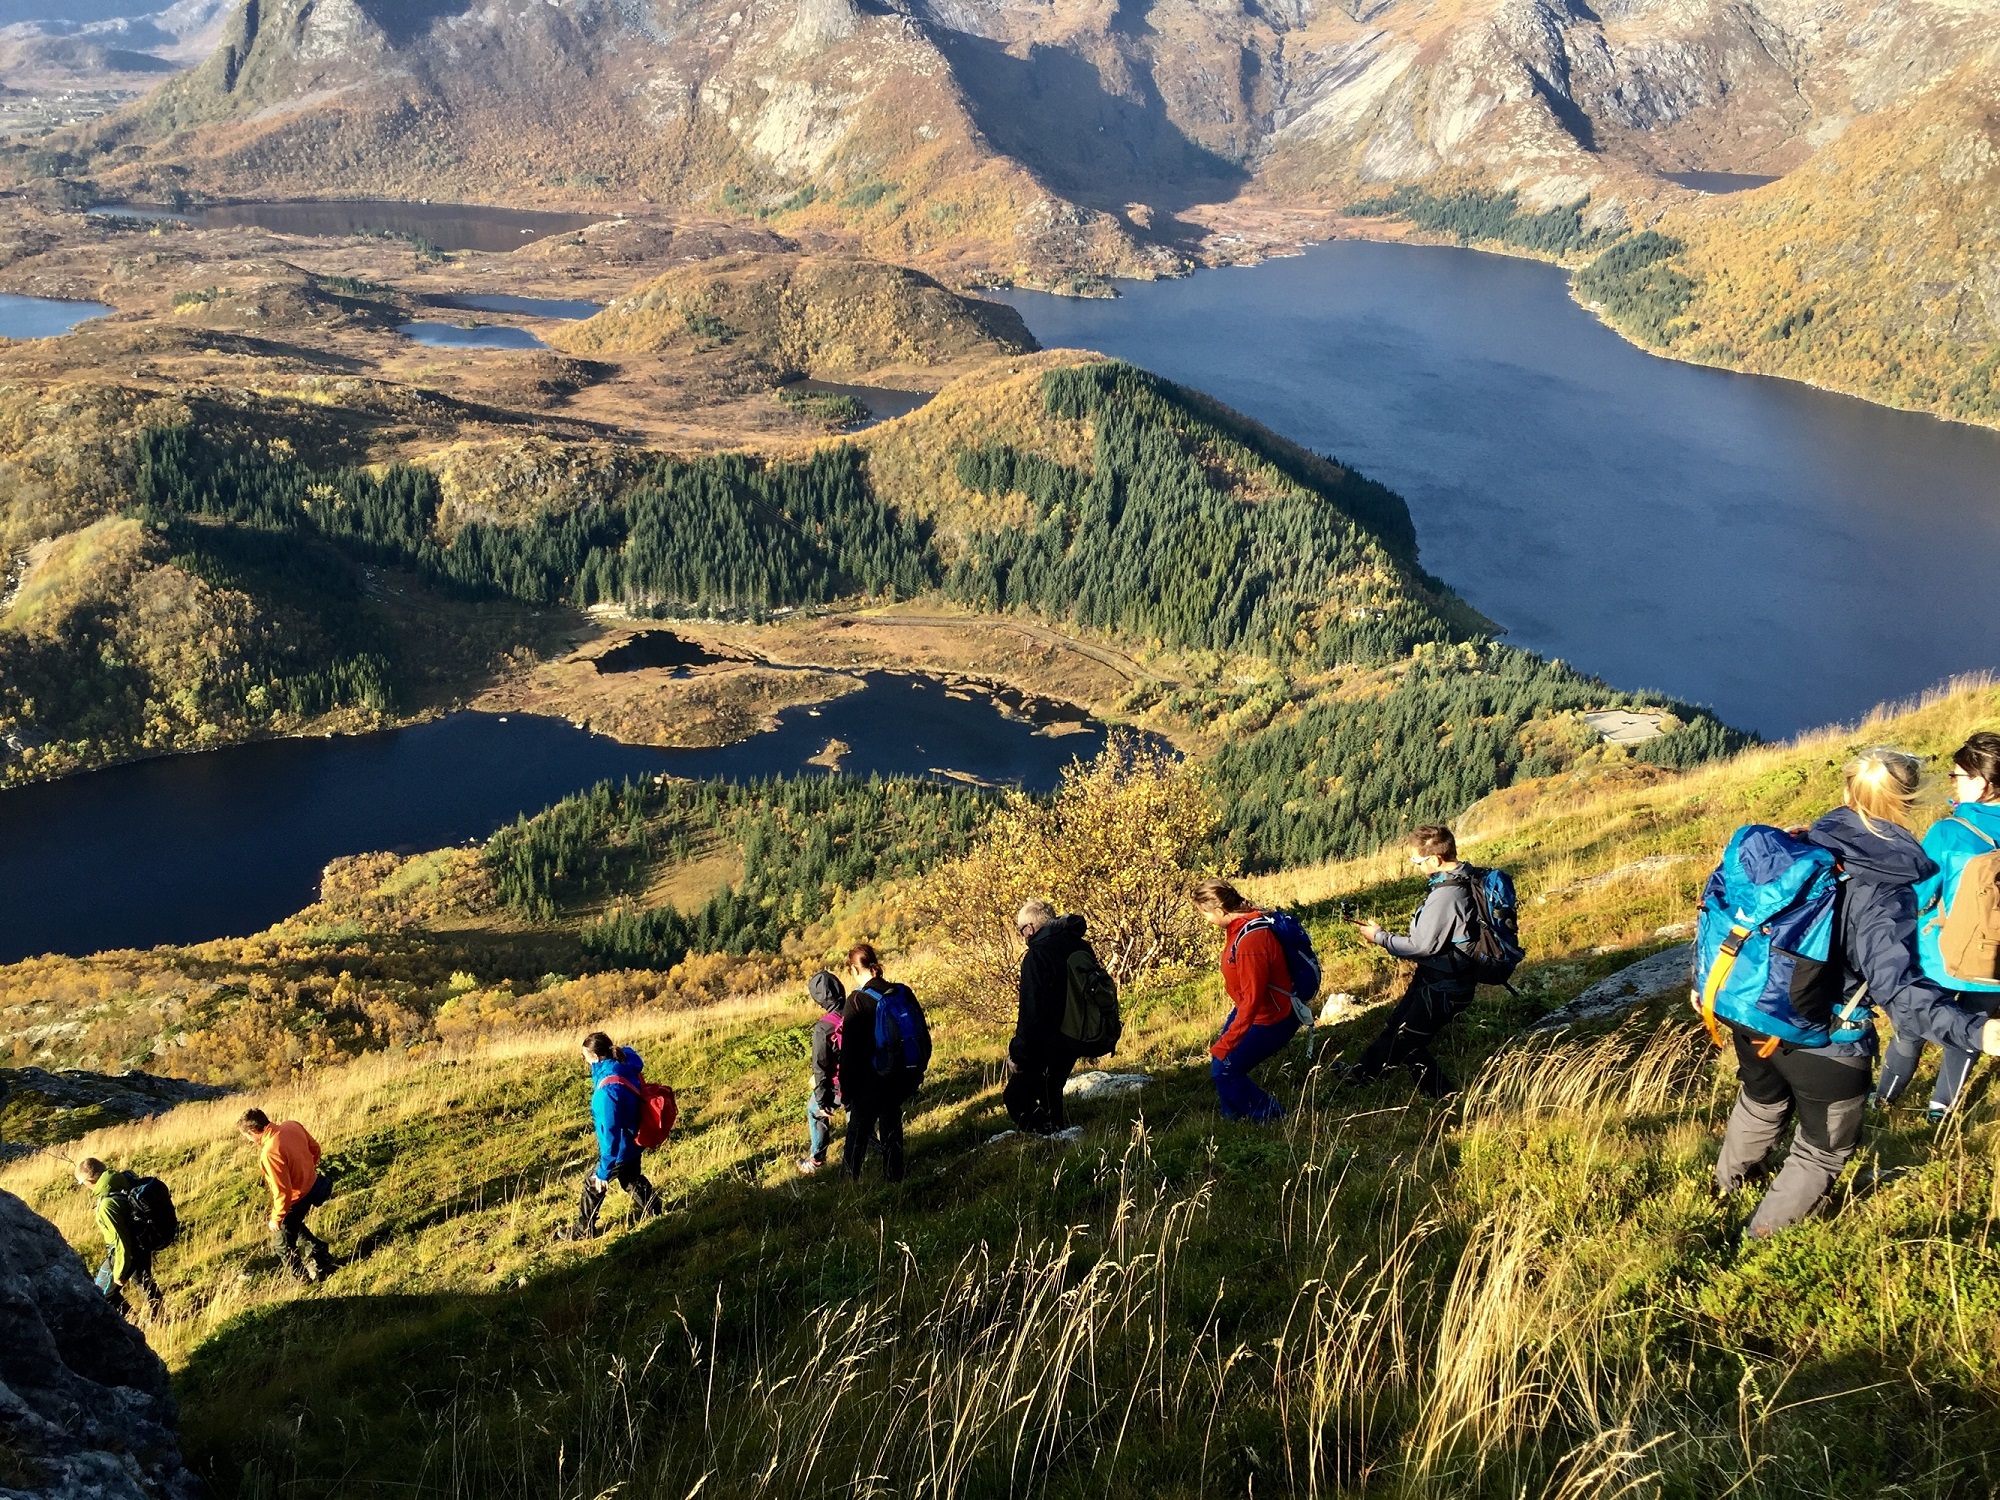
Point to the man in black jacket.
(1039, 1058)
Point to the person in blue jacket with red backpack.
(1262, 1016)
(1970, 829)
(616, 1076)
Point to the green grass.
(1530, 1291)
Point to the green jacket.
(116, 1223)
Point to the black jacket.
(1877, 927)
(861, 1085)
(1045, 991)
(827, 994)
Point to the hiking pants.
(1899, 1062)
(632, 1178)
(1429, 1005)
(879, 1118)
(1829, 1096)
(138, 1273)
(292, 1229)
(1034, 1095)
(819, 1127)
(1237, 1091)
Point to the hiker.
(1040, 1057)
(1262, 1015)
(878, 1071)
(616, 1110)
(827, 992)
(1444, 928)
(1968, 833)
(1826, 1086)
(289, 1158)
(128, 1259)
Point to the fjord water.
(1789, 556)
(227, 842)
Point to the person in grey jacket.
(1826, 1088)
(1445, 925)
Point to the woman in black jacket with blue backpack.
(1874, 942)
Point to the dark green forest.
(1636, 286)
(1472, 216)
(807, 843)
(1147, 546)
(1340, 777)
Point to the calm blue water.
(227, 842)
(43, 317)
(487, 336)
(1789, 556)
(528, 307)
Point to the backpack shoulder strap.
(1260, 923)
(1978, 833)
(610, 1078)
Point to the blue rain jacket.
(1877, 927)
(615, 1111)
(1951, 845)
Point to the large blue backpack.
(1301, 963)
(902, 1035)
(1764, 959)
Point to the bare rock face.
(85, 1409)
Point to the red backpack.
(657, 1112)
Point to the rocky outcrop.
(85, 1408)
(1664, 974)
(39, 1108)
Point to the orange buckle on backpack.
(1717, 977)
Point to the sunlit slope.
(1532, 1288)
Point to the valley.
(531, 516)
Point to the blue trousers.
(1900, 1061)
(819, 1129)
(1241, 1098)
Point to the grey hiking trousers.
(1828, 1094)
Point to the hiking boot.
(577, 1233)
(809, 1166)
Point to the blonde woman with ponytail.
(1826, 1088)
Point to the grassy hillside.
(1866, 270)
(1530, 1290)
(832, 317)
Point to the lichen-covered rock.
(85, 1409)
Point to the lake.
(43, 317)
(1789, 556)
(448, 226)
(479, 336)
(227, 842)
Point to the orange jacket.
(290, 1159)
(1259, 984)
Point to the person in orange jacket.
(289, 1157)
(1262, 1017)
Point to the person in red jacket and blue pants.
(1262, 1018)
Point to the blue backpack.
(1301, 963)
(1764, 944)
(902, 1035)
(1496, 951)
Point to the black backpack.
(1496, 951)
(1090, 1021)
(153, 1215)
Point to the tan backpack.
(1969, 934)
